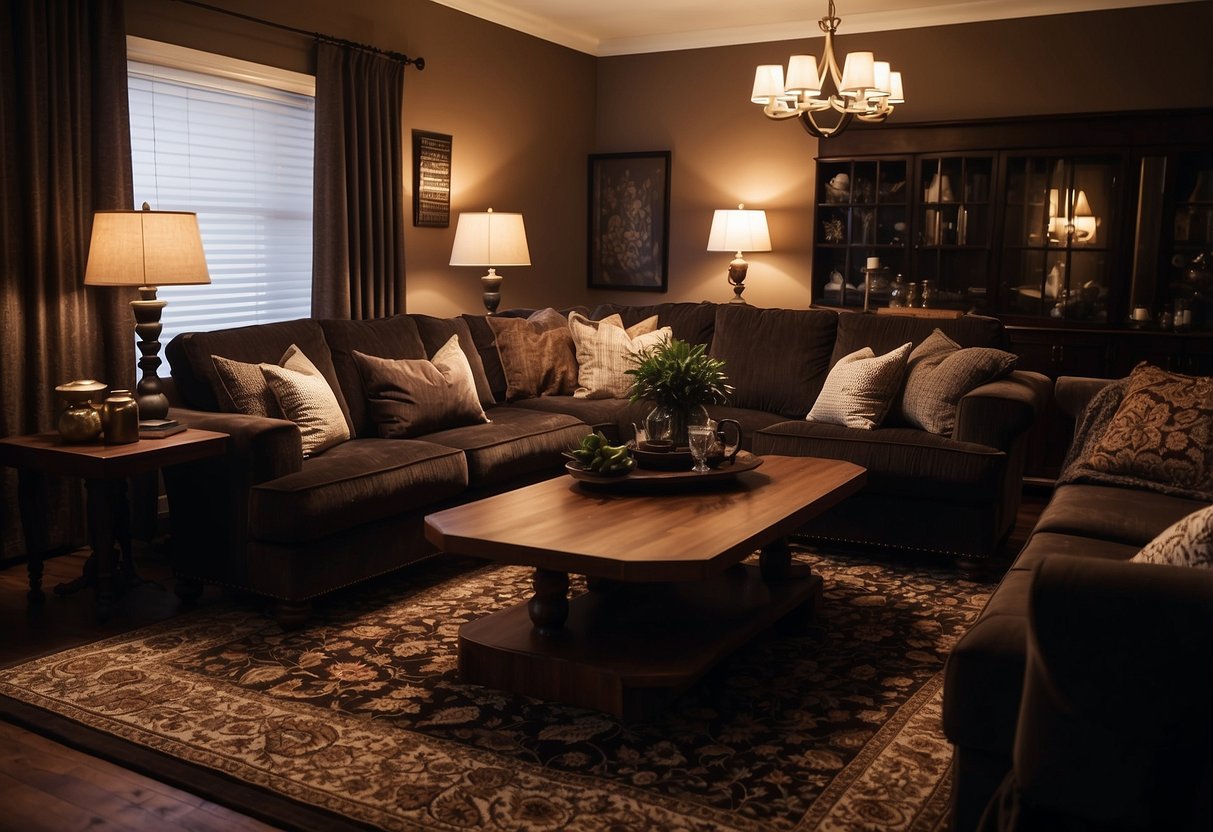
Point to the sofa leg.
(187, 590)
(291, 615)
(973, 569)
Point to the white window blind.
(239, 153)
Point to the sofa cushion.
(516, 443)
(537, 355)
(884, 332)
(776, 359)
(939, 372)
(305, 397)
(605, 351)
(899, 460)
(189, 355)
(486, 348)
(394, 337)
(1188, 542)
(436, 332)
(861, 388)
(614, 417)
(1108, 512)
(352, 484)
(690, 322)
(408, 397)
(1162, 431)
(1046, 544)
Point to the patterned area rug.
(363, 715)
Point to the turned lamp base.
(737, 270)
(149, 393)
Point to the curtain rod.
(397, 56)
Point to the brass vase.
(80, 421)
(120, 418)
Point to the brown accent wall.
(696, 104)
(520, 109)
(525, 113)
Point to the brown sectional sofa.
(1062, 674)
(267, 520)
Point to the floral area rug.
(362, 715)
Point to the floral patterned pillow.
(1186, 543)
(1162, 431)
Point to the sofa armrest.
(1115, 723)
(1074, 392)
(265, 448)
(997, 413)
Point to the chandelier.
(866, 89)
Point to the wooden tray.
(647, 478)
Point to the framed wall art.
(431, 179)
(629, 221)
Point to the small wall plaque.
(431, 179)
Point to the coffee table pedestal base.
(632, 649)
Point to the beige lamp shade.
(739, 230)
(145, 248)
(490, 239)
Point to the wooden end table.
(669, 596)
(105, 470)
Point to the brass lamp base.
(737, 270)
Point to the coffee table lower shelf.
(631, 649)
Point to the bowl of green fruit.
(597, 457)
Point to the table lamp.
(490, 239)
(739, 230)
(147, 249)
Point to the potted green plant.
(678, 379)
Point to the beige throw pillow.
(1189, 542)
(860, 388)
(939, 373)
(537, 355)
(604, 352)
(409, 397)
(307, 400)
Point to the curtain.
(65, 146)
(359, 217)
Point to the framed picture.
(431, 179)
(629, 226)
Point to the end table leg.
(549, 606)
(101, 535)
(33, 506)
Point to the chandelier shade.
(864, 88)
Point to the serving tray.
(648, 478)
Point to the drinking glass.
(701, 439)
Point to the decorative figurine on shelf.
(838, 189)
(833, 231)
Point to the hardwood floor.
(48, 787)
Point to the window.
(231, 141)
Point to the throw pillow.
(1161, 432)
(413, 396)
(604, 351)
(307, 400)
(939, 373)
(860, 388)
(245, 387)
(537, 357)
(1189, 542)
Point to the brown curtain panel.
(359, 217)
(66, 150)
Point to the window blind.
(240, 155)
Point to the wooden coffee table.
(669, 596)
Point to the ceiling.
(624, 27)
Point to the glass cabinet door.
(953, 219)
(861, 214)
(1189, 293)
(1057, 227)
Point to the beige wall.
(521, 111)
(525, 113)
(696, 104)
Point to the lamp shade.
(858, 74)
(739, 230)
(768, 84)
(145, 248)
(490, 239)
(803, 76)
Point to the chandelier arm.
(813, 129)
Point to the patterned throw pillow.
(410, 397)
(537, 355)
(1188, 542)
(307, 400)
(245, 389)
(939, 373)
(860, 388)
(1162, 431)
(604, 349)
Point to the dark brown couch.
(1090, 676)
(267, 520)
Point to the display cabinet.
(953, 222)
